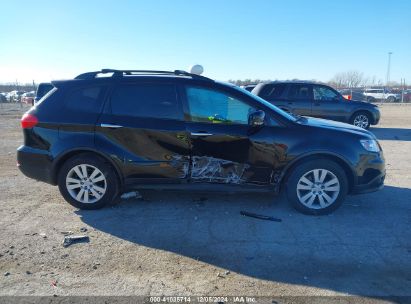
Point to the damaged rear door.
(143, 124)
(217, 123)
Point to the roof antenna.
(196, 69)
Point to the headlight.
(370, 145)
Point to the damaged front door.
(220, 146)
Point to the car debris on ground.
(66, 232)
(132, 194)
(71, 239)
(260, 216)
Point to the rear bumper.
(35, 163)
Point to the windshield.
(268, 105)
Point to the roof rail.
(121, 73)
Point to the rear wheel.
(361, 119)
(370, 99)
(86, 181)
(317, 187)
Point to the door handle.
(104, 125)
(200, 134)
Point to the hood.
(362, 103)
(335, 125)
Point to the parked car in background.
(354, 94)
(407, 96)
(3, 97)
(15, 96)
(317, 100)
(28, 98)
(42, 89)
(96, 137)
(374, 95)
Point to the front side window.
(299, 92)
(146, 100)
(211, 106)
(323, 93)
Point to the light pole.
(388, 68)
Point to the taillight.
(28, 121)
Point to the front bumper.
(376, 117)
(370, 172)
(373, 185)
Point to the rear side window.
(272, 91)
(85, 100)
(146, 100)
(300, 92)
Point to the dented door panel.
(228, 154)
(149, 148)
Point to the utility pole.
(388, 68)
(403, 88)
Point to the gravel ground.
(173, 243)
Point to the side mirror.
(256, 118)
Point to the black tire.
(92, 160)
(305, 168)
(358, 115)
(370, 99)
(391, 99)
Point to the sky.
(266, 39)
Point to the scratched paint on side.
(218, 170)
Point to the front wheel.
(317, 187)
(391, 99)
(361, 119)
(88, 182)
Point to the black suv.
(318, 100)
(97, 136)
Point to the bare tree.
(349, 79)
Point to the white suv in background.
(380, 94)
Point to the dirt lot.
(198, 244)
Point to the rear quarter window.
(84, 100)
(43, 89)
(83, 105)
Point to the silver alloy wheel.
(361, 121)
(318, 189)
(86, 184)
